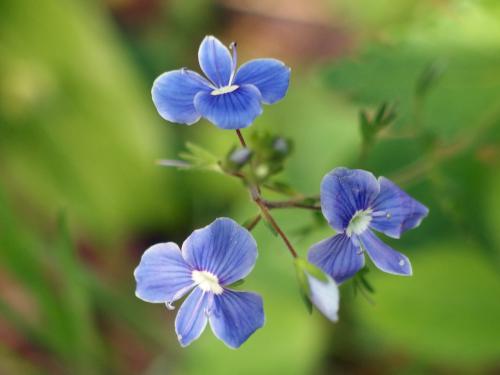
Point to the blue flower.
(211, 259)
(229, 98)
(354, 202)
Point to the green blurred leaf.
(429, 77)
(364, 281)
(200, 158)
(237, 283)
(444, 313)
(85, 138)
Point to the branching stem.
(257, 198)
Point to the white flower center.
(207, 281)
(359, 222)
(224, 90)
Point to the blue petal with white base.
(215, 61)
(384, 257)
(173, 95)
(192, 317)
(223, 248)
(344, 192)
(337, 256)
(235, 316)
(235, 109)
(163, 275)
(270, 76)
(395, 211)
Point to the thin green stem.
(254, 222)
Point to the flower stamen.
(224, 90)
(359, 222)
(207, 282)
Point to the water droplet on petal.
(401, 262)
(170, 306)
(388, 215)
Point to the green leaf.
(200, 157)
(310, 268)
(179, 164)
(367, 132)
(113, 135)
(366, 284)
(386, 114)
(75, 293)
(379, 117)
(303, 282)
(447, 312)
(307, 302)
(430, 75)
(237, 283)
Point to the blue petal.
(173, 95)
(215, 61)
(192, 317)
(325, 296)
(345, 191)
(162, 275)
(235, 316)
(233, 110)
(384, 257)
(337, 256)
(395, 211)
(270, 76)
(223, 248)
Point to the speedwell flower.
(354, 202)
(211, 259)
(229, 98)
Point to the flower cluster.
(214, 258)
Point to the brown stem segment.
(270, 219)
(291, 204)
(240, 136)
(255, 193)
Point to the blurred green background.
(81, 197)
